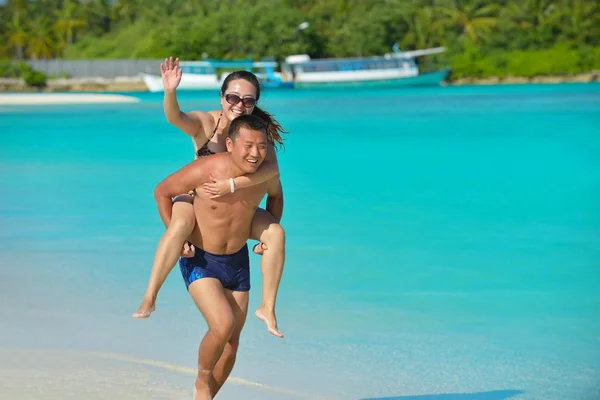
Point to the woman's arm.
(268, 170)
(191, 123)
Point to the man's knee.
(274, 234)
(234, 339)
(233, 343)
(223, 328)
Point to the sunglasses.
(233, 99)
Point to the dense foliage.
(483, 38)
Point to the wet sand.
(54, 374)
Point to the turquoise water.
(443, 243)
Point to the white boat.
(397, 68)
(203, 75)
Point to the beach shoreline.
(136, 84)
(589, 77)
(91, 84)
(61, 374)
(20, 99)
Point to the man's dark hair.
(247, 121)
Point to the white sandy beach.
(68, 374)
(63, 98)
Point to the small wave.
(187, 370)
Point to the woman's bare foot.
(268, 317)
(146, 308)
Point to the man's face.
(249, 149)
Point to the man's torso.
(223, 224)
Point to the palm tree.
(580, 21)
(544, 15)
(17, 35)
(159, 11)
(128, 10)
(68, 22)
(516, 26)
(474, 19)
(97, 15)
(41, 40)
(20, 6)
(423, 29)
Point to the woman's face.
(239, 98)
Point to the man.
(218, 276)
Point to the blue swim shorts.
(232, 270)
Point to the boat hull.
(188, 82)
(434, 78)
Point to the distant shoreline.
(588, 77)
(135, 84)
(100, 85)
(36, 98)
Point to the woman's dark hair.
(274, 128)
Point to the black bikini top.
(204, 150)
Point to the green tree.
(41, 43)
(68, 21)
(17, 35)
(473, 19)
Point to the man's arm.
(182, 181)
(268, 170)
(275, 199)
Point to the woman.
(239, 93)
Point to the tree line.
(483, 38)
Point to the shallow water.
(440, 241)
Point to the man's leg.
(168, 250)
(210, 298)
(239, 304)
(266, 230)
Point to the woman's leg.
(271, 236)
(169, 248)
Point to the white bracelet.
(231, 185)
